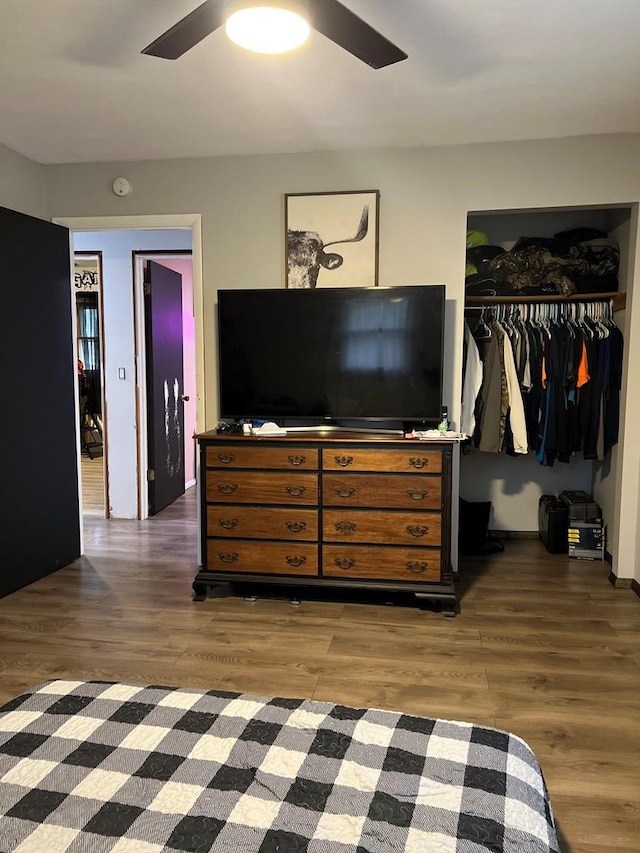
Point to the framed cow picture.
(331, 239)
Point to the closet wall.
(514, 484)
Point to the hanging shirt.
(494, 395)
(516, 407)
(471, 384)
(583, 368)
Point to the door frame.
(151, 222)
(138, 259)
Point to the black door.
(165, 385)
(40, 524)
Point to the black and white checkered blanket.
(94, 767)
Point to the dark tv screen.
(331, 355)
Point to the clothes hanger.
(480, 332)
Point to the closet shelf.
(619, 299)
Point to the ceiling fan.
(328, 17)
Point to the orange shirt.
(583, 368)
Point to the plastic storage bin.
(585, 533)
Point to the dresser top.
(324, 436)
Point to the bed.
(118, 768)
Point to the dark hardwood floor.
(544, 647)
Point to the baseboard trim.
(635, 586)
(514, 534)
(620, 583)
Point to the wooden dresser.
(327, 509)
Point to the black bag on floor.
(553, 518)
(473, 538)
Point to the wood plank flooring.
(92, 485)
(544, 647)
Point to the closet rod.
(515, 302)
(619, 299)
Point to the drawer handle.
(419, 462)
(226, 458)
(345, 527)
(345, 563)
(228, 523)
(417, 495)
(343, 461)
(297, 460)
(295, 491)
(227, 488)
(344, 491)
(417, 530)
(296, 561)
(296, 526)
(228, 558)
(417, 568)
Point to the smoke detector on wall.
(121, 187)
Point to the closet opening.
(531, 275)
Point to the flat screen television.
(332, 356)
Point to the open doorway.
(87, 276)
(120, 360)
(124, 341)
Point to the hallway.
(92, 486)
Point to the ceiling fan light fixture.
(272, 26)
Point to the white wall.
(22, 183)
(609, 472)
(426, 194)
(627, 504)
(119, 350)
(242, 204)
(514, 484)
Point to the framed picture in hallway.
(331, 239)
(87, 271)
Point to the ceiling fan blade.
(192, 29)
(350, 32)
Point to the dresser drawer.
(249, 522)
(271, 558)
(414, 458)
(261, 456)
(397, 564)
(261, 487)
(390, 528)
(397, 491)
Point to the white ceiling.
(75, 88)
